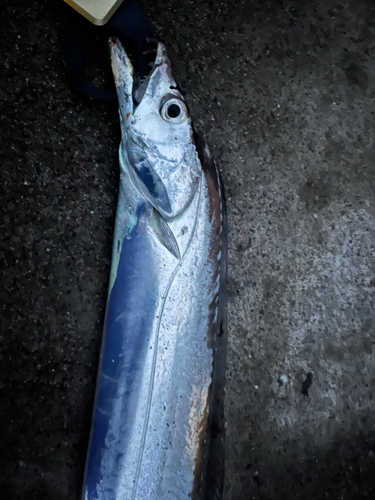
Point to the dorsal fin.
(164, 234)
(205, 157)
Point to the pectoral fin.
(164, 234)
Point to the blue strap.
(130, 23)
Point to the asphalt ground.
(284, 93)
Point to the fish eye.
(174, 111)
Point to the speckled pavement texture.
(285, 94)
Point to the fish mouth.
(130, 88)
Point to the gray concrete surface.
(284, 91)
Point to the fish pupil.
(173, 111)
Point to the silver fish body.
(158, 422)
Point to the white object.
(98, 12)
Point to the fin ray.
(164, 234)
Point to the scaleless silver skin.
(158, 423)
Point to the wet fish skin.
(158, 422)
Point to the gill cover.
(157, 137)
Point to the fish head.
(157, 144)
